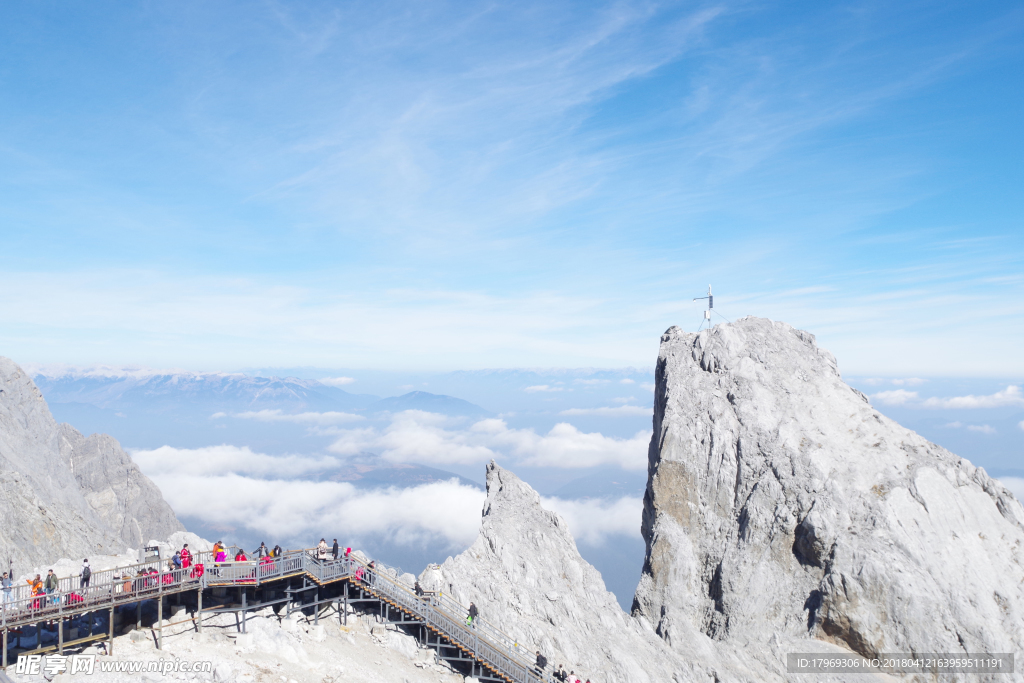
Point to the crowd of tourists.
(184, 566)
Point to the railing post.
(159, 620)
(243, 608)
(346, 605)
(110, 648)
(60, 625)
(199, 610)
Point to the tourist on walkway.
(37, 592)
(240, 556)
(186, 557)
(321, 550)
(473, 613)
(334, 550)
(220, 553)
(262, 551)
(278, 551)
(542, 663)
(50, 586)
(86, 574)
(6, 583)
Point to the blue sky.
(462, 185)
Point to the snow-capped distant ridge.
(64, 370)
(133, 389)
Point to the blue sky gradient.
(464, 185)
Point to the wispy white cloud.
(542, 387)
(336, 381)
(897, 381)
(596, 521)
(627, 381)
(416, 436)
(240, 460)
(1010, 396)
(443, 513)
(308, 418)
(895, 397)
(984, 429)
(617, 411)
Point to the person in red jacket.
(186, 557)
(240, 557)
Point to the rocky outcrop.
(780, 504)
(116, 489)
(526, 575)
(63, 494)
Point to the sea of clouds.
(278, 495)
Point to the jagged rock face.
(780, 502)
(116, 489)
(63, 494)
(527, 578)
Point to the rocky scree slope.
(781, 505)
(64, 494)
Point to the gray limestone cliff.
(783, 514)
(527, 577)
(62, 494)
(781, 505)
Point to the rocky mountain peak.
(64, 494)
(779, 501)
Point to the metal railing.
(111, 588)
(489, 644)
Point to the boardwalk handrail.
(118, 586)
(484, 639)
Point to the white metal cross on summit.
(711, 305)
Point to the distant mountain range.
(431, 403)
(199, 392)
(150, 408)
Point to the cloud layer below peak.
(417, 436)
